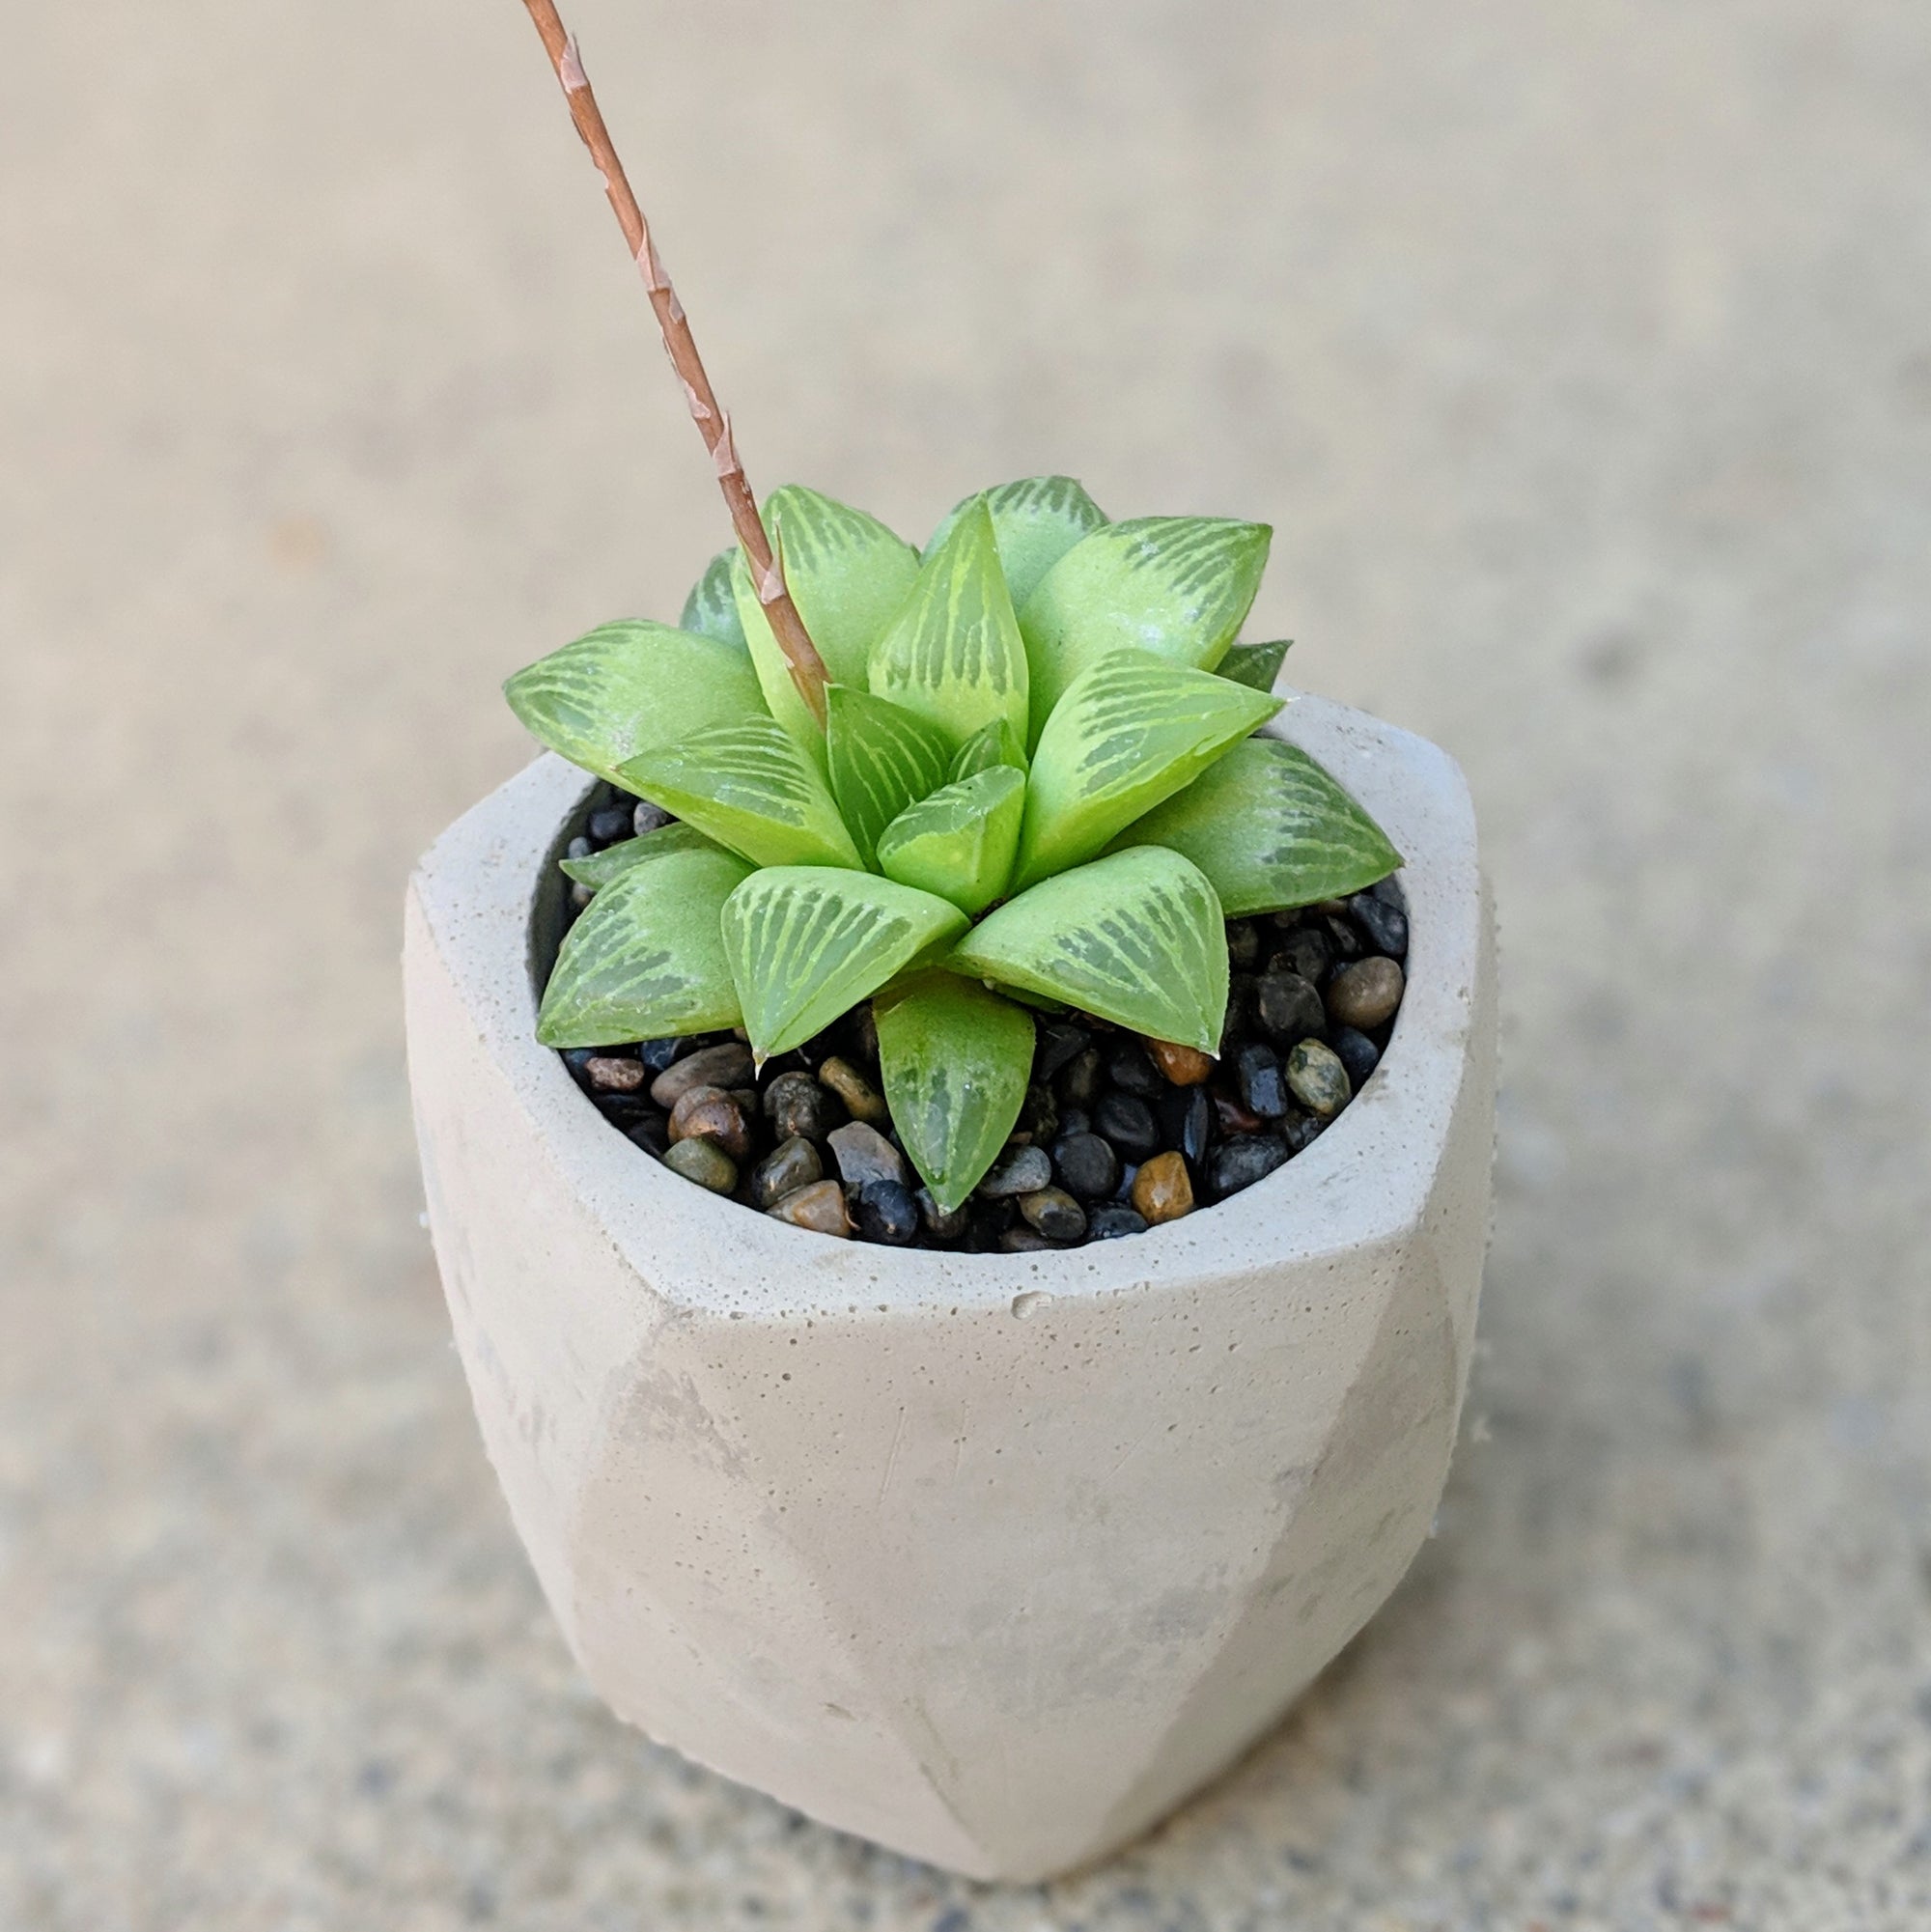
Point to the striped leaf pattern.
(1137, 938)
(1035, 521)
(805, 945)
(994, 744)
(645, 960)
(881, 757)
(604, 868)
(847, 573)
(711, 607)
(955, 1059)
(1255, 665)
(751, 787)
(1131, 730)
(960, 842)
(628, 686)
(1270, 830)
(1179, 586)
(953, 652)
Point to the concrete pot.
(991, 1558)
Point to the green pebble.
(705, 1162)
(1317, 1079)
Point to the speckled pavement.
(1582, 358)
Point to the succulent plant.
(1037, 784)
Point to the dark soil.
(1116, 1133)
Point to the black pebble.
(1056, 1214)
(1058, 1043)
(1263, 1090)
(1186, 1120)
(1081, 1078)
(1386, 927)
(1087, 1166)
(577, 1058)
(611, 824)
(1128, 1122)
(1300, 1130)
(946, 1226)
(1241, 996)
(1039, 1114)
(659, 1055)
(1346, 937)
(1307, 951)
(1357, 1053)
(1073, 1120)
(888, 1212)
(652, 1133)
(990, 1220)
(796, 1103)
(1244, 946)
(1388, 891)
(624, 1110)
(1240, 1162)
(1133, 1071)
(1288, 1007)
(1111, 1222)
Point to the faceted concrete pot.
(991, 1558)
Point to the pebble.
(1024, 1170)
(1073, 1120)
(1058, 1043)
(1300, 1130)
(792, 1165)
(1088, 1167)
(1305, 951)
(724, 1065)
(796, 1103)
(1386, 926)
(624, 1110)
(1131, 1070)
(577, 847)
(608, 1075)
(1129, 1174)
(1317, 1079)
(1241, 992)
(1110, 1223)
(862, 1100)
(946, 1226)
(703, 1161)
(1024, 1241)
(1232, 1117)
(1345, 940)
(652, 1133)
(581, 894)
(1163, 1189)
(1241, 1162)
(1128, 1122)
(608, 825)
(1039, 1116)
(1357, 1053)
(646, 818)
(1180, 1066)
(657, 1054)
(1388, 891)
(1263, 1091)
(1244, 946)
(861, 1032)
(864, 1154)
(1288, 1007)
(1083, 1078)
(888, 1212)
(988, 1220)
(706, 1113)
(1187, 1121)
(1366, 995)
(819, 1207)
(1054, 1212)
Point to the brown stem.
(807, 667)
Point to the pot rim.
(482, 890)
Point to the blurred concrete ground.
(1581, 357)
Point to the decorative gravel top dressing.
(1117, 1134)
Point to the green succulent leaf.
(604, 868)
(806, 944)
(960, 842)
(846, 573)
(1178, 586)
(881, 757)
(1137, 938)
(646, 958)
(1131, 730)
(952, 651)
(991, 744)
(751, 787)
(1036, 522)
(711, 607)
(1256, 666)
(630, 687)
(956, 1060)
(1271, 829)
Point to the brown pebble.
(792, 1165)
(728, 1065)
(862, 1100)
(609, 1075)
(705, 1162)
(1184, 1066)
(819, 1207)
(1161, 1188)
(706, 1114)
(1233, 1118)
(1365, 994)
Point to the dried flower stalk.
(713, 425)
